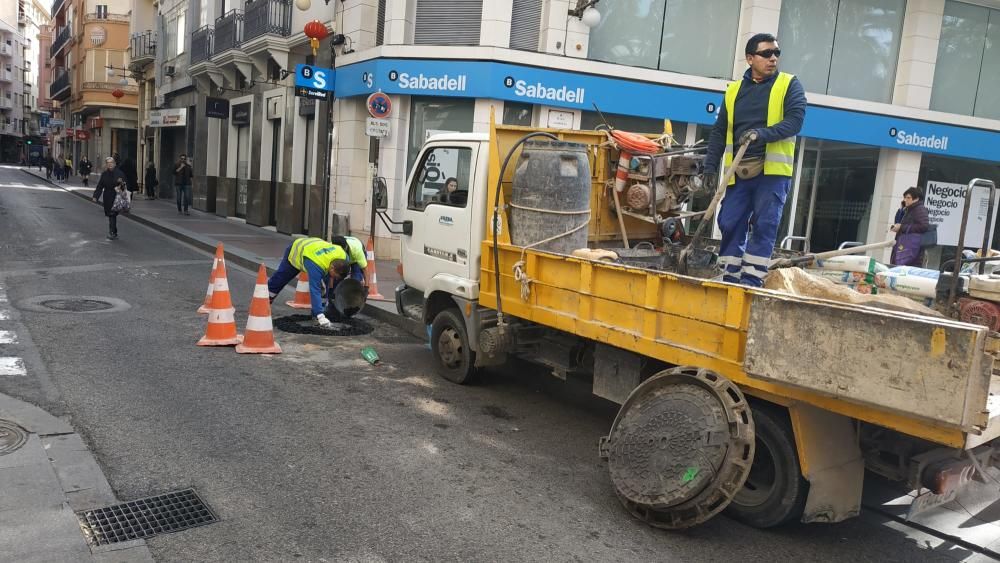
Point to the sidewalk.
(244, 244)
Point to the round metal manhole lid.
(305, 324)
(73, 304)
(12, 437)
(681, 447)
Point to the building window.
(448, 22)
(525, 24)
(965, 76)
(180, 34)
(429, 116)
(843, 48)
(516, 113)
(102, 11)
(646, 125)
(380, 23)
(663, 34)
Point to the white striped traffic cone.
(258, 338)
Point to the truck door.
(439, 204)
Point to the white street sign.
(945, 202)
(375, 127)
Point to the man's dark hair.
(757, 40)
(914, 192)
(339, 241)
(341, 267)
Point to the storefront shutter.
(380, 23)
(525, 24)
(448, 22)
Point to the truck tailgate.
(930, 368)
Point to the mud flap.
(830, 459)
(680, 448)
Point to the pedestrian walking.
(765, 109)
(84, 167)
(67, 169)
(182, 184)
(909, 230)
(151, 182)
(49, 163)
(111, 182)
(324, 262)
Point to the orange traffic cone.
(370, 274)
(207, 305)
(221, 329)
(301, 300)
(259, 335)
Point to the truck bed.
(926, 377)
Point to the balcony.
(6, 50)
(110, 86)
(6, 102)
(61, 39)
(6, 75)
(142, 48)
(60, 86)
(267, 17)
(56, 6)
(228, 32)
(201, 44)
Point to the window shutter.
(448, 22)
(525, 24)
(380, 24)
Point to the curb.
(405, 324)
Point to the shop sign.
(241, 114)
(559, 119)
(375, 127)
(217, 108)
(82, 135)
(581, 91)
(55, 122)
(97, 123)
(172, 117)
(945, 203)
(314, 82)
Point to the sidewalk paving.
(244, 244)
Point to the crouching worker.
(324, 262)
(356, 257)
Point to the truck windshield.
(443, 177)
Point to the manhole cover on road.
(77, 305)
(160, 514)
(305, 324)
(12, 437)
(73, 304)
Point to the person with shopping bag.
(112, 192)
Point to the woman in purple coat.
(915, 222)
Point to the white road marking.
(4, 315)
(7, 337)
(12, 366)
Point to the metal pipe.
(795, 185)
(815, 186)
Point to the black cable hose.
(496, 216)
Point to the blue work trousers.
(280, 278)
(753, 207)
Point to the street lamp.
(586, 12)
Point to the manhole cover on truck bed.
(680, 448)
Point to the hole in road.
(304, 324)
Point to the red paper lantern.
(315, 31)
(117, 93)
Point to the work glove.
(748, 136)
(323, 321)
(709, 182)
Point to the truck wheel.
(775, 491)
(450, 344)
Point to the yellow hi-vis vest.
(779, 156)
(322, 253)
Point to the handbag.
(929, 237)
(121, 203)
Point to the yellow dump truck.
(767, 405)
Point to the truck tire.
(450, 343)
(775, 491)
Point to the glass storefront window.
(591, 119)
(516, 113)
(967, 73)
(688, 36)
(957, 171)
(429, 116)
(847, 48)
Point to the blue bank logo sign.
(314, 77)
(439, 83)
(917, 140)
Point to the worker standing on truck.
(356, 256)
(324, 262)
(766, 109)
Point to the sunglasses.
(768, 53)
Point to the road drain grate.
(161, 514)
(77, 305)
(12, 437)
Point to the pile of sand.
(797, 281)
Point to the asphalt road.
(316, 456)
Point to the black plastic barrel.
(348, 298)
(551, 196)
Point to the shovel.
(693, 256)
(809, 258)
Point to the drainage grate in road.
(12, 437)
(73, 304)
(161, 514)
(304, 324)
(77, 305)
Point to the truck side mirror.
(380, 194)
(408, 228)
